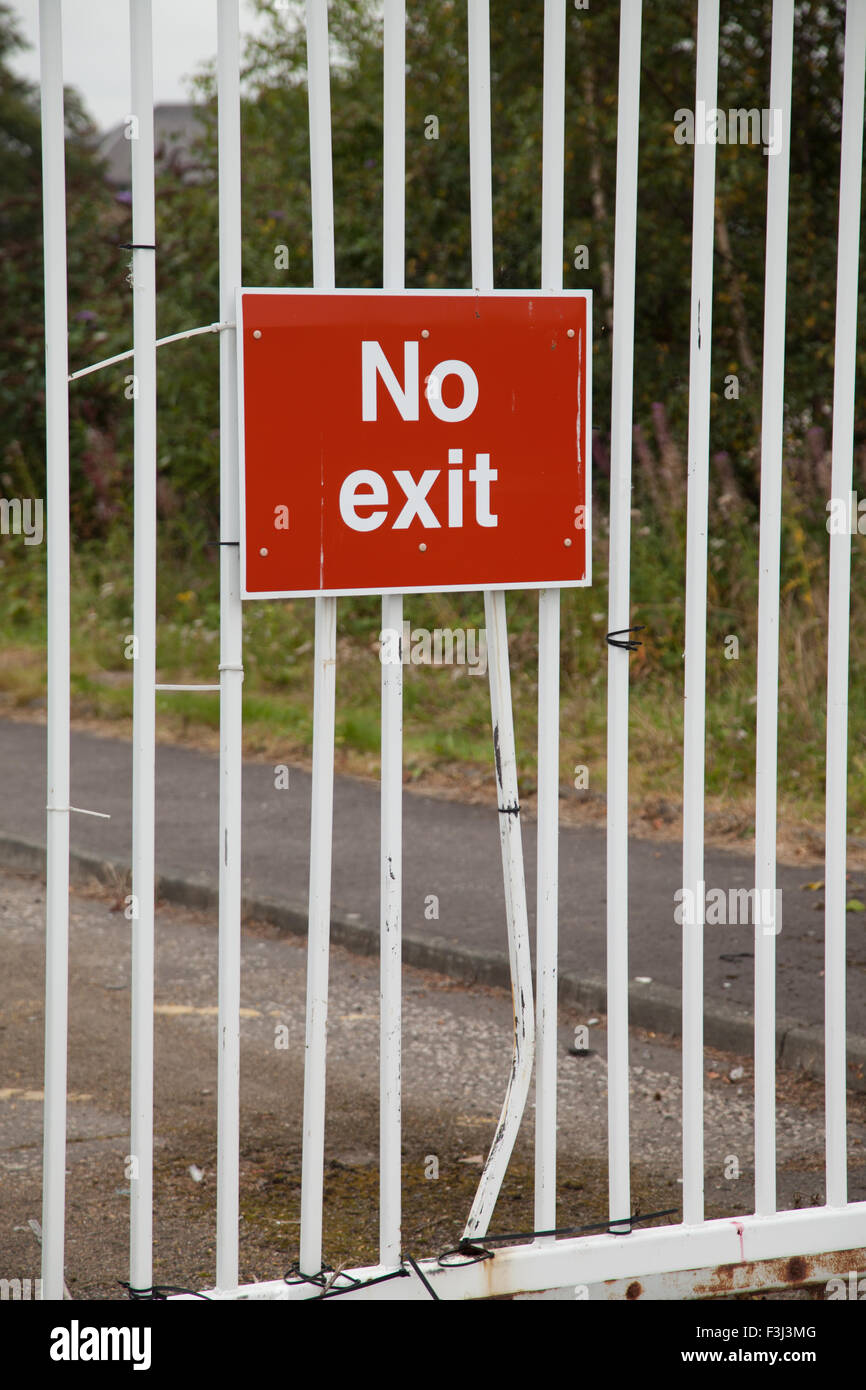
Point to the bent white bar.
(696, 620)
(231, 655)
(766, 736)
(144, 664)
(324, 685)
(520, 1076)
(547, 885)
(839, 606)
(57, 800)
(519, 958)
(391, 849)
(619, 609)
(160, 342)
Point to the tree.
(98, 321)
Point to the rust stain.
(487, 1274)
(634, 1290)
(787, 1271)
(797, 1269)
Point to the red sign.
(413, 442)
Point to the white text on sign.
(365, 488)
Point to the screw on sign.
(413, 442)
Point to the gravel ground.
(455, 1063)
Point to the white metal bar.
(547, 910)
(593, 1259)
(766, 738)
(838, 634)
(160, 342)
(391, 857)
(520, 1075)
(188, 687)
(480, 156)
(547, 883)
(706, 83)
(321, 819)
(321, 826)
(57, 488)
(394, 147)
(231, 656)
(619, 608)
(391, 879)
(144, 665)
(37, 1231)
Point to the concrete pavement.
(456, 1056)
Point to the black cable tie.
(135, 246)
(627, 646)
(294, 1276)
(356, 1284)
(212, 543)
(470, 1254)
(629, 1221)
(512, 810)
(424, 1280)
(159, 1293)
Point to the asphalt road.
(456, 1057)
(451, 854)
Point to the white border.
(414, 589)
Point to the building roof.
(176, 127)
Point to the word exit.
(414, 442)
(365, 489)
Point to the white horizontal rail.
(586, 1260)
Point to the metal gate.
(550, 1262)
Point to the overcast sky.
(96, 49)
